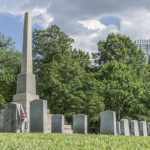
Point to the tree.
(149, 60)
(61, 76)
(70, 90)
(49, 44)
(83, 58)
(119, 48)
(123, 91)
(9, 68)
(122, 68)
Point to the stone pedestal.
(57, 123)
(134, 128)
(12, 121)
(68, 129)
(38, 116)
(124, 125)
(108, 122)
(80, 123)
(24, 99)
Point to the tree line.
(116, 77)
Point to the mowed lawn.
(40, 141)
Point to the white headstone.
(80, 123)
(108, 122)
(134, 128)
(143, 128)
(148, 128)
(12, 122)
(57, 123)
(124, 125)
(38, 116)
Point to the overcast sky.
(86, 21)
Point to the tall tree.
(61, 76)
(122, 68)
(119, 48)
(9, 68)
(49, 44)
(123, 91)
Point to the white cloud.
(92, 24)
(136, 24)
(41, 17)
(38, 8)
(15, 7)
(80, 18)
(88, 39)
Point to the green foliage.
(40, 141)
(119, 48)
(2, 102)
(9, 68)
(123, 91)
(62, 78)
(49, 44)
(83, 58)
(122, 68)
(71, 90)
(66, 78)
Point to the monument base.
(24, 99)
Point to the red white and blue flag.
(23, 116)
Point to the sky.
(86, 21)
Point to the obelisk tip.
(28, 12)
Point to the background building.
(145, 46)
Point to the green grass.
(38, 141)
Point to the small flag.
(23, 116)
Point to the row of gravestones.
(109, 125)
(38, 121)
(11, 121)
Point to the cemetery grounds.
(40, 141)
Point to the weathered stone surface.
(1, 124)
(134, 128)
(68, 129)
(11, 121)
(118, 128)
(57, 123)
(148, 128)
(38, 116)
(48, 121)
(26, 80)
(26, 84)
(108, 122)
(2, 111)
(143, 128)
(80, 123)
(26, 66)
(124, 125)
(25, 99)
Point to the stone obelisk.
(26, 84)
